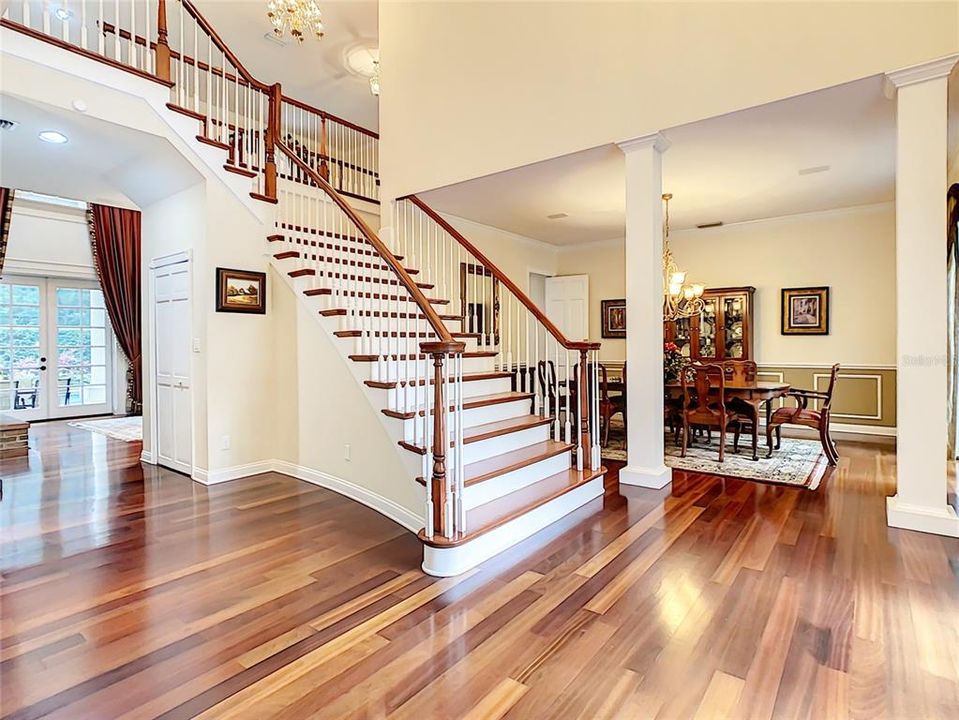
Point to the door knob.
(43, 367)
(43, 359)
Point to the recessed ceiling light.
(557, 216)
(813, 170)
(52, 136)
(63, 13)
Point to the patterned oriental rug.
(798, 462)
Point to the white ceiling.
(102, 162)
(733, 168)
(314, 71)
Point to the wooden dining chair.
(704, 404)
(609, 405)
(806, 417)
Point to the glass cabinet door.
(707, 329)
(734, 318)
(682, 335)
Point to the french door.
(56, 349)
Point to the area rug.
(127, 429)
(798, 462)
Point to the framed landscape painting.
(240, 291)
(805, 311)
(614, 318)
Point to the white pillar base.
(937, 520)
(655, 477)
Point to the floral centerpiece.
(672, 362)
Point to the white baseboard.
(656, 478)
(936, 520)
(384, 506)
(147, 457)
(213, 477)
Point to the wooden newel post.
(162, 46)
(440, 445)
(272, 134)
(585, 389)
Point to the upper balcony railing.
(171, 42)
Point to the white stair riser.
(447, 562)
(474, 416)
(488, 490)
(504, 443)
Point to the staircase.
(493, 409)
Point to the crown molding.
(931, 70)
(656, 140)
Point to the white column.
(644, 312)
(920, 502)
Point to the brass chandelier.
(296, 17)
(680, 299)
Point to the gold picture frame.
(805, 311)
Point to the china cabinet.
(722, 331)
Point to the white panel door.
(174, 416)
(567, 305)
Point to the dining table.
(752, 393)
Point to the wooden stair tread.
(239, 170)
(490, 430)
(262, 197)
(310, 292)
(213, 143)
(199, 117)
(332, 312)
(491, 515)
(373, 358)
(471, 403)
(467, 377)
(314, 243)
(488, 468)
(285, 254)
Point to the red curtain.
(115, 240)
(6, 207)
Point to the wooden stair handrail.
(447, 344)
(330, 116)
(218, 41)
(502, 278)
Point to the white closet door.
(172, 362)
(567, 305)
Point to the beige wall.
(851, 250)
(471, 88)
(516, 255)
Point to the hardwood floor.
(130, 591)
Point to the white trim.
(49, 268)
(939, 521)
(921, 72)
(837, 429)
(826, 366)
(147, 457)
(213, 477)
(27, 207)
(656, 140)
(852, 416)
(172, 259)
(394, 511)
(657, 477)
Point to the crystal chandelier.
(680, 299)
(298, 17)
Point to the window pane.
(72, 316)
(69, 337)
(26, 295)
(69, 296)
(96, 298)
(98, 317)
(4, 293)
(26, 315)
(93, 394)
(98, 356)
(22, 337)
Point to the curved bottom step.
(449, 560)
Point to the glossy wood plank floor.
(132, 592)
